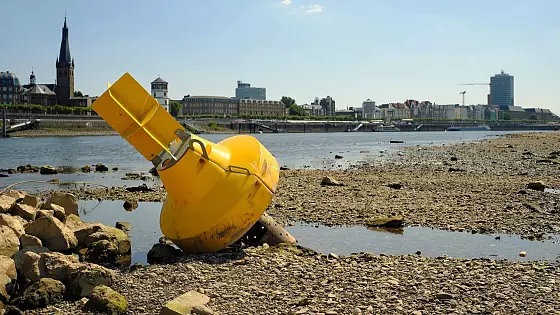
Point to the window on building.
(164, 94)
(154, 94)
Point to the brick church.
(62, 91)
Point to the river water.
(309, 150)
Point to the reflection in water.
(341, 240)
(430, 242)
(386, 230)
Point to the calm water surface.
(311, 150)
(341, 240)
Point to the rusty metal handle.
(231, 167)
(204, 153)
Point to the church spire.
(65, 59)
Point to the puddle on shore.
(340, 240)
(430, 242)
(552, 191)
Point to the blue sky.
(386, 50)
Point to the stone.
(88, 276)
(41, 294)
(185, 303)
(101, 168)
(86, 169)
(106, 300)
(58, 211)
(160, 253)
(395, 185)
(47, 170)
(522, 254)
(8, 267)
(15, 194)
(540, 186)
(202, 310)
(329, 181)
(73, 222)
(66, 200)
(27, 240)
(13, 223)
(52, 233)
(9, 241)
(336, 156)
(444, 296)
(59, 266)
(18, 257)
(114, 235)
(32, 201)
(391, 222)
(8, 276)
(44, 213)
(124, 226)
(6, 203)
(31, 268)
(101, 252)
(24, 211)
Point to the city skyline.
(292, 48)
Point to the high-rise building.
(368, 108)
(501, 90)
(160, 92)
(244, 91)
(328, 105)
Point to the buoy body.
(215, 191)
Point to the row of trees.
(55, 110)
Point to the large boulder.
(87, 276)
(13, 223)
(8, 275)
(58, 211)
(6, 203)
(15, 194)
(27, 240)
(114, 235)
(106, 300)
(52, 233)
(25, 211)
(102, 252)
(49, 265)
(40, 294)
(185, 303)
(74, 223)
(9, 241)
(66, 200)
(44, 213)
(19, 256)
(33, 201)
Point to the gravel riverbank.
(56, 132)
(287, 280)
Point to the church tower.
(64, 70)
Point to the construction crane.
(463, 93)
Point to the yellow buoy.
(215, 191)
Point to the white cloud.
(309, 9)
(313, 8)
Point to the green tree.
(174, 108)
(507, 116)
(296, 110)
(78, 94)
(288, 101)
